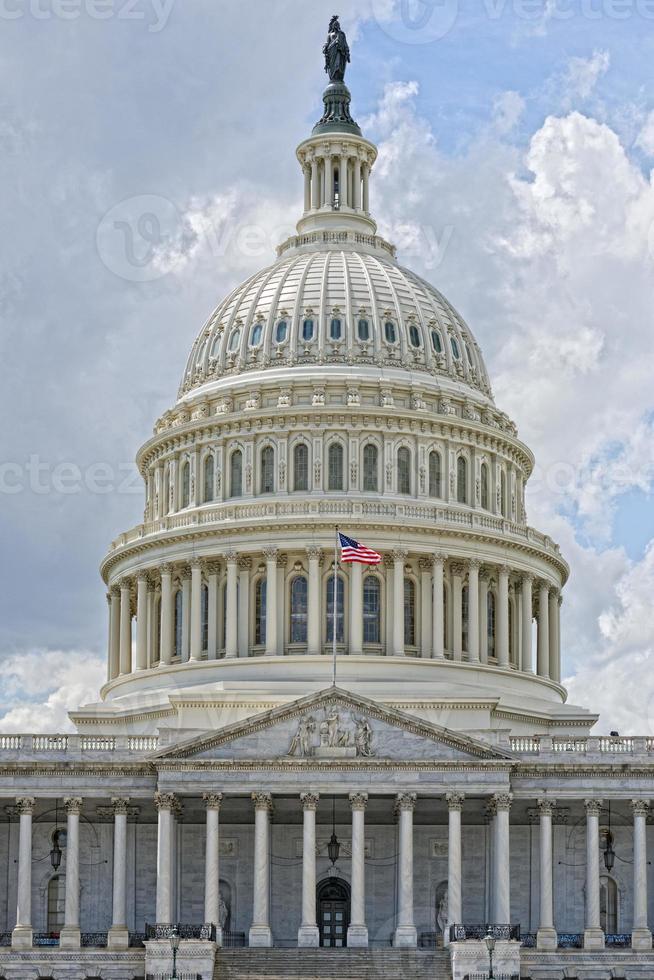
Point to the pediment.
(334, 725)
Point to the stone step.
(332, 964)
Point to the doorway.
(333, 899)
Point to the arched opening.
(268, 470)
(299, 609)
(335, 467)
(403, 470)
(186, 484)
(236, 474)
(56, 903)
(260, 612)
(608, 905)
(465, 618)
(179, 601)
(503, 494)
(462, 480)
(333, 908)
(435, 475)
(371, 609)
(409, 612)
(208, 479)
(340, 609)
(485, 495)
(370, 466)
(490, 623)
(204, 608)
(301, 467)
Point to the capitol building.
(302, 767)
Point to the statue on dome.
(336, 51)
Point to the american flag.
(352, 550)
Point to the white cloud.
(42, 686)
(645, 138)
(508, 109)
(582, 75)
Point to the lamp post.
(174, 945)
(490, 946)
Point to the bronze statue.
(336, 51)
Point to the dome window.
(307, 329)
(390, 333)
(281, 332)
(363, 330)
(256, 335)
(456, 353)
(436, 342)
(414, 336)
(234, 341)
(336, 329)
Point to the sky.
(147, 165)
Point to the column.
(271, 602)
(458, 572)
(22, 934)
(356, 200)
(473, 610)
(484, 586)
(151, 641)
(543, 630)
(308, 934)
(196, 610)
(167, 616)
(119, 933)
(307, 188)
(366, 195)
(231, 610)
(546, 937)
(356, 610)
(343, 196)
(425, 632)
(260, 933)
(399, 557)
(142, 621)
(244, 568)
(438, 618)
(641, 936)
(212, 569)
(114, 632)
(315, 185)
(357, 933)
(125, 626)
(329, 181)
(555, 653)
(313, 620)
(593, 935)
(186, 615)
(527, 624)
(165, 803)
(405, 931)
(454, 906)
(212, 803)
(70, 937)
(502, 652)
(502, 889)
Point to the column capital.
(212, 801)
(309, 800)
(358, 801)
(196, 564)
(165, 801)
(455, 801)
(212, 567)
(640, 808)
(271, 554)
(143, 576)
(544, 585)
(25, 804)
(73, 804)
(125, 584)
(593, 807)
(120, 805)
(458, 569)
(314, 554)
(400, 554)
(439, 558)
(245, 563)
(502, 801)
(425, 564)
(114, 591)
(405, 801)
(262, 801)
(231, 557)
(166, 569)
(474, 563)
(504, 570)
(528, 577)
(546, 807)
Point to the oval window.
(281, 331)
(389, 332)
(436, 342)
(256, 335)
(364, 330)
(234, 340)
(456, 353)
(307, 330)
(414, 335)
(335, 329)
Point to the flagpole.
(334, 600)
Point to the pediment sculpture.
(332, 736)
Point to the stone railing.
(335, 238)
(590, 745)
(75, 746)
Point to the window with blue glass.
(390, 332)
(336, 328)
(307, 329)
(256, 335)
(299, 609)
(414, 336)
(363, 330)
(260, 612)
(371, 609)
(281, 332)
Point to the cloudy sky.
(147, 165)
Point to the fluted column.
(555, 653)
(356, 200)
(641, 935)
(271, 602)
(212, 570)
(167, 615)
(313, 613)
(308, 934)
(142, 621)
(119, 934)
(70, 937)
(457, 571)
(454, 896)
(114, 633)
(196, 609)
(405, 931)
(186, 614)
(438, 618)
(165, 803)
(212, 803)
(329, 181)
(473, 610)
(425, 633)
(125, 626)
(399, 557)
(357, 933)
(22, 934)
(527, 624)
(484, 586)
(366, 187)
(315, 185)
(244, 572)
(546, 937)
(502, 889)
(502, 651)
(343, 195)
(356, 609)
(543, 630)
(231, 607)
(307, 188)
(260, 932)
(593, 934)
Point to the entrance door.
(333, 912)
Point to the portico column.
(22, 934)
(313, 613)
(438, 618)
(196, 609)
(212, 803)
(555, 654)
(271, 602)
(399, 557)
(502, 652)
(260, 933)
(543, 630)
(212, 569)
(357, 933)
(641, 935)
(142, 621)
(70, 936)
(405, 931)
(546, 937)
(114, 632)
(165, 803)
(167, 618)
(502, 890)
(454, 899)
(125, 626)
(527, 624)
(473, 610)
(308, 932)
(458, 572)
(356, 610)
(231, 607)
(593, 934)
(119, 933)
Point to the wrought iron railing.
(528, 940)
(233, 940)
(45, 939)
(496, 976)
(499, 931)
(96, 939)
(570, 940)
(619, 940)
(430, 940)
(165, 930)
(136, 939)
(5, 939)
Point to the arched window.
(335, 328)
(281, 332)
(390, 333)
(268, 470)
(234, 341)
(256, 335)
(186, 484)
(490, 628)
(363, 330)
(179, 602)
(465, 617)
(436, 342)
(335, 467)
(56, 903)
(371, 609)
(236, 474)
(340, 609)
(260, 612)
(299, 607)
(403, 470)
(462, 480)
(485, 494)
(414, 336)
(208, 481)
(204, 617)
(307, 330)
(301, 467)
(503, 493)
(435, 475)
(409, 612)
(370, 468)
